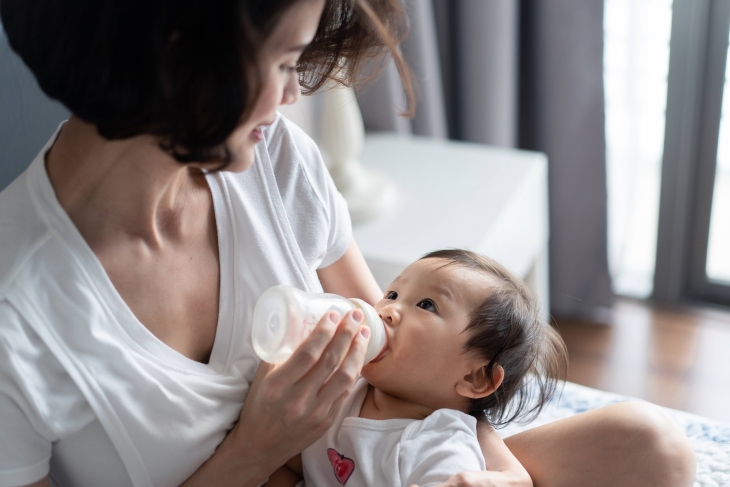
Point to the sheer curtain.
(636, 65)
(525, 74)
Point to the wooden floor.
(678, 358)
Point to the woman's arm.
(351, 277)
(503, 468)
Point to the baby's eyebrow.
(443, 291)
(398, 278)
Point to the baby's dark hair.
(508, 329)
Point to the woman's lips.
(257, 134)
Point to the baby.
(465, 340)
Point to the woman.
(133, 248)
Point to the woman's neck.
(381, 405)
(127, 185)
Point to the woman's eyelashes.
(288, 69)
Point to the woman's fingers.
(294, 403)
(342, 380)
(323, 352)
(261, 371)
(333, 354)
(309, 352)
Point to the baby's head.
(466, 334)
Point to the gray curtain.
(526, 74)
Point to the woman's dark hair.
(186, 70)
(507, 329)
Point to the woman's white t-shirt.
(87, 393)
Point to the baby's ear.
(476, 383)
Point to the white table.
(457, 194)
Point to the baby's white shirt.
(359, 452)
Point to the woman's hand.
(291, 405)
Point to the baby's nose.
(390, 313)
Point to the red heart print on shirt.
(342, 465)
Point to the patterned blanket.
(710, 440)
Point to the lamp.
(368, 192)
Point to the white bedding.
(710, 440)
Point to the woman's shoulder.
(284, 135)
(308, 193)
(295, 157)
(291, 176)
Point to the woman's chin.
(243, 148)
(242, 160)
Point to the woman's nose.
(292, 91)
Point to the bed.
(710, 440)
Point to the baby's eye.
(391, 295)
(427, 304)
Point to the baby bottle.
(284, 316)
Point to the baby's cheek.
(366, 371)
(425, 356)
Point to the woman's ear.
(476, 383)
